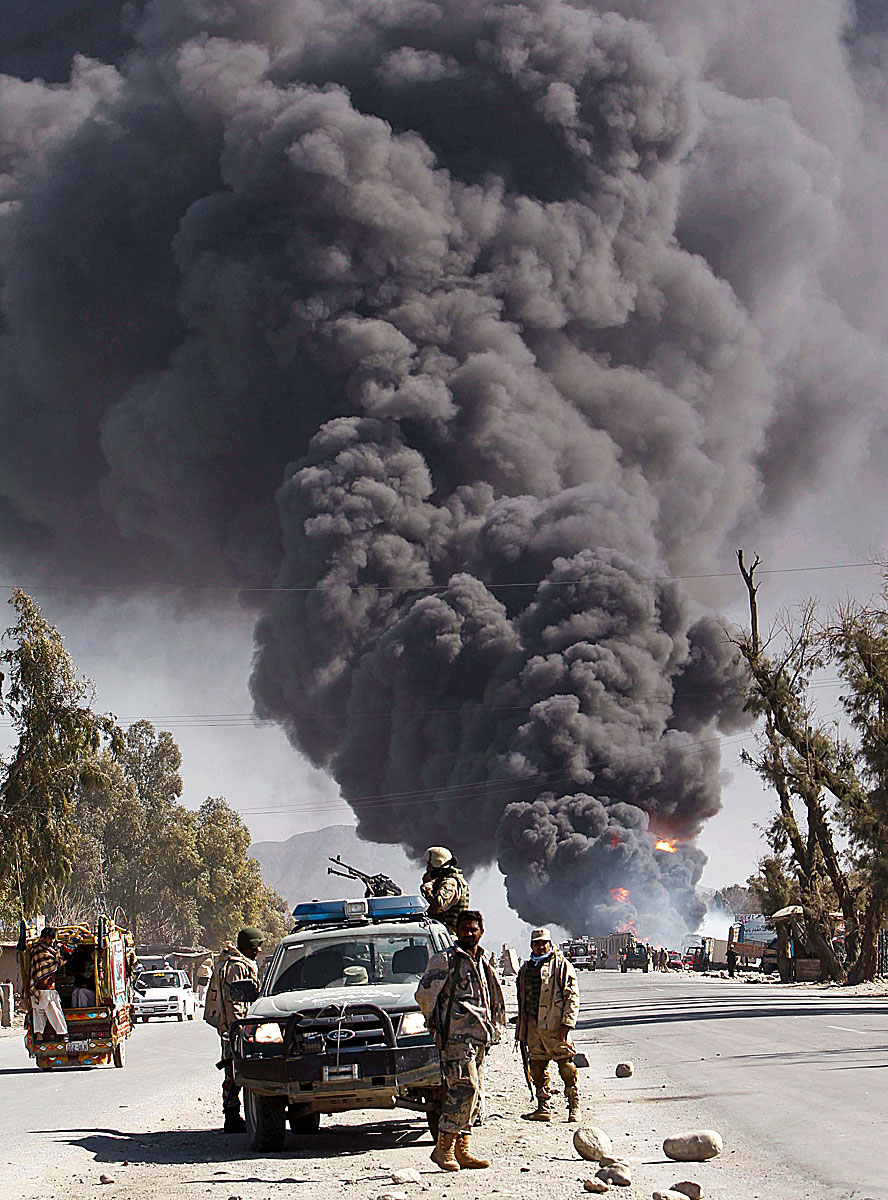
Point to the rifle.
(374, 885)
(525, 1062)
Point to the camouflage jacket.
(478, 1011)
(559, 996)
(234, 966)
(446, 893)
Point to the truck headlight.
(271, 1032)
(412, 1023)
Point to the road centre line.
(845, 1029)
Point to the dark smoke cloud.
(519, 310)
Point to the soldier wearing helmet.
(444, 887)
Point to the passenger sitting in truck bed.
(82, 968)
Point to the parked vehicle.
(97, 1033)
(164, 993)
(635, 957)
(581, 953)
(335, 1026)
(675, 961)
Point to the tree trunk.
(866, 963)
(822, 947)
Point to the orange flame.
(621, 895)
(664, 845)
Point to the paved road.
(48, 1116)
(800, 1074)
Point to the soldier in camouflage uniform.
(548, 1007)
(235, 965)
(462, 1001)
(444, 887)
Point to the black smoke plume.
(518, 309)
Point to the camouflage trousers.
(230, 1090)
(544, 1047)
(462, 1064)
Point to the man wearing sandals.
(462, 1001)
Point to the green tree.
(50, 708)
(826, 784)
(160, 887)
(774, 885)
(232, 893)
(738, 899)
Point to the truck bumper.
(384, 1072)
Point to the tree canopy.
(91, 817)
(57, 732)
(829, 833)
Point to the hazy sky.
(486, 333)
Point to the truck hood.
(393, 997)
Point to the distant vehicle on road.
(674, 961)
(581, 953)
(635, 957)
(166, 993)
(687, 961)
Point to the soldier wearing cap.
(462, 1002)
(235, 964)
(444, 887)
(548, 1006)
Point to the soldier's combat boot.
(234, 1123)
(464, 1156)
(442, 1155)
(573, 1106)
(542, 1112)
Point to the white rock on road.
(592, 1143)
(695, 1146)
(689, 1188)
(618, 1174)
(408, 1175)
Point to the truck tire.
(303, 1123)
(120, 1054)
(266, 1119)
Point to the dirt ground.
(184, 1154)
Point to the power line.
(248, 720)
(465, 791)
(429, 588)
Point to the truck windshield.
(354, 960)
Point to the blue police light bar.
(376, 908)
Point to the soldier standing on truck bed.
(462, 1002)
(234, 965)
(444, 887)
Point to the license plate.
(77, 1047)
(335, 1074)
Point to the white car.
(164, 993)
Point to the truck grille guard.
(298, 1040)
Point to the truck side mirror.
(243, 991)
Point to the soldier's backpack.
(213, 999)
